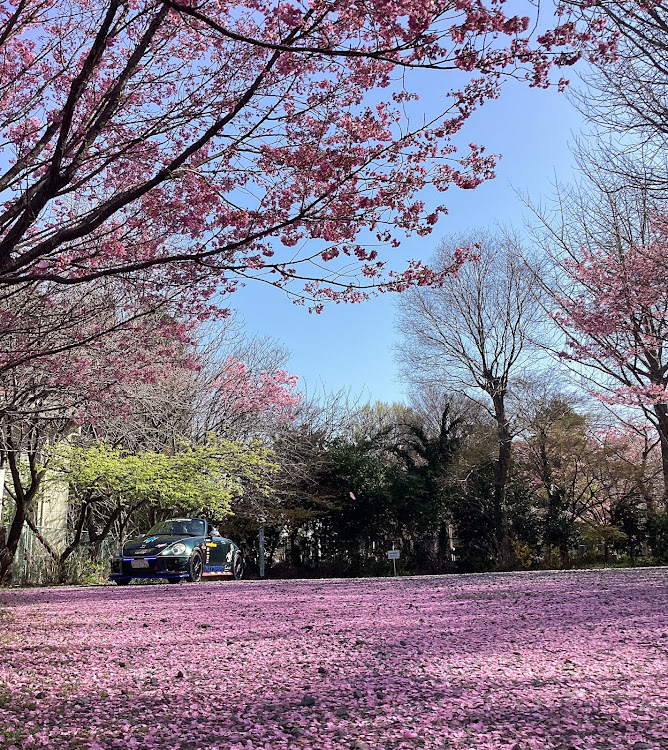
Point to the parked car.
(177, 549)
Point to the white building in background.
(52, 509)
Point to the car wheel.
(195, 567)
(237, 566)
(122, 581)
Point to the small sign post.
(394, 555)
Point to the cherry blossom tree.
(592, 476)
(212, 143)
(212, 391)
(617, 321)
(237, 399)
(604, 247)
(47, 398)
(170, 400)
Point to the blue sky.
(352, 346)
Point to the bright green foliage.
(198, 478)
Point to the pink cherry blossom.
(222, 142)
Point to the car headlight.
(175, 549)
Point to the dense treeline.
(431, 493)
(335, 486)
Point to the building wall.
(51, 516)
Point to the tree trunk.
(23, 499)
(96, 539)
(444, 550)
(11, 541)
(270, 549)
(505, 438)
(295, 550)
(661, 412)
(73, 545)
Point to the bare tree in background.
(300, 449)
(473, 335)
(189, 402)
(611, 220)
(596, 211)
(429, 401)
(626, 99)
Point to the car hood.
(150, 545)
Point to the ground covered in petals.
(516, 661)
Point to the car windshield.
(179, 527)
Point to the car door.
(217, 550)
(222, 550)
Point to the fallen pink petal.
(517, 661)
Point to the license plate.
(139, 563)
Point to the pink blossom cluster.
(247, 393)
(494, 662)
(616, 317)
